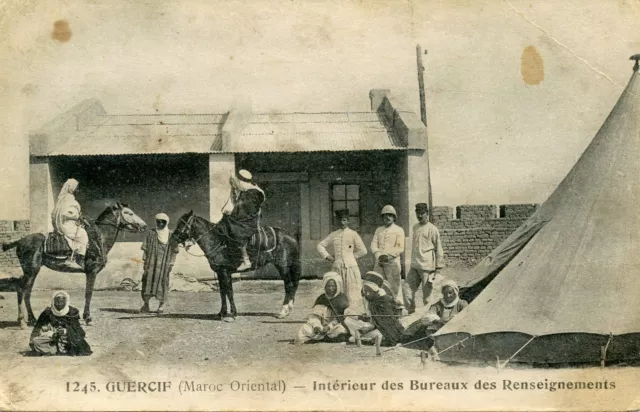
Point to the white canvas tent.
(565, 286)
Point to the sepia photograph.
(320, 205)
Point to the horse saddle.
(265, 240)
(56, 245)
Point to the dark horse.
(224, 261)
(102, 235)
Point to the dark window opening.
(346, 196)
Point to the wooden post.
(423, 105)
(423, 117)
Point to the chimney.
(377, 96)
(237, 119)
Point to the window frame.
(353, 218)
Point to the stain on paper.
(61, 31)
(532, 66)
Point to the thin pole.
(423, 104)
(423, 117)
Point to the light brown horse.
(102, 232)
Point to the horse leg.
(232, 303)
(294, 274)
(30, 262)
(31, 319)
(21, 320)
(286, 277)
(222, 274)
(88, 293)
(226, 285)
(30, 279)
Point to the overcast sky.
(493, 137)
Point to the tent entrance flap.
(489, 267)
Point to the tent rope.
(603, 350)
(399, 345)
(454, 345)
(518, 351)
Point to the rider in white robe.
(67, 220)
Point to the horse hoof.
(88, 321)
(229, 319)
(23, 324)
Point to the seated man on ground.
(326, 321)
(390, 328)
(58, 330)
(361, 327)
(443, 310)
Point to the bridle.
(186, 232)
(119, 218)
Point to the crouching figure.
(58, 330)
(326, 321)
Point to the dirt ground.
(187, 331)
(187, 343)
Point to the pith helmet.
(389, 210)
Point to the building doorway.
(280, 209)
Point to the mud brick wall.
(471, 232)
(11, 230)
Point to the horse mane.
(204, 220)
(109, 210)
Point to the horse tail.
(8, 246)
(296, 265)
(295, 256)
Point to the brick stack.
(11, 230)
(471, 232)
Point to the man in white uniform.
(387, 245)
(347, 247)
(427, 258)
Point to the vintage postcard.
(319, 205)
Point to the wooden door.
(280, 209)
(282, 206)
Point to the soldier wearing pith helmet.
(387, 245)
